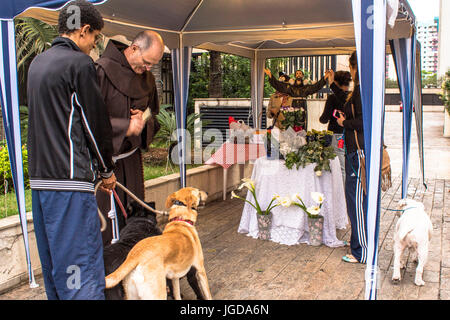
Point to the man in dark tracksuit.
(69, 142)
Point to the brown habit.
(122, 90)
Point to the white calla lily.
(317, 197)
(285, 201)
(313, 210)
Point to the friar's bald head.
(145, 51)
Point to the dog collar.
(181, 219)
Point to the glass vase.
(315, 230)
(264, 225)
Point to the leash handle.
(115, 223)
(142, 203)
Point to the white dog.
(413, 231)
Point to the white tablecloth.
(290, 225)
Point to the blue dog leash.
(396, 210)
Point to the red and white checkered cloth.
(231, 153)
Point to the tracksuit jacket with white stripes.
(69, 132)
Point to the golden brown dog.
(170, 255)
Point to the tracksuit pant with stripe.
(69, 242)
(356, 207)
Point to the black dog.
(141, 223)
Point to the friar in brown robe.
(127, 84)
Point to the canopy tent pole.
(181, 65)
(418, 110)
(370, 35)
(257, 91)
(404, 54)
(9, 99)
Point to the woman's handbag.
(386, 181)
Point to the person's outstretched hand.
(329, 75)
(267, 71)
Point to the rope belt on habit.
(123, 155)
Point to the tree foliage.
(32, 37)
(429, 79)
(236, 76)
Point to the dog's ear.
(170, 199)
(151, 204)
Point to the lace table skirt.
(290, 225)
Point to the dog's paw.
(396, 280)
(419, 282)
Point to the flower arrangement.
(317, 150)
(294, 118)
(313, 212)
(250, 185)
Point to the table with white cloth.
(290, 225)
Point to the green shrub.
(445, 96)
(6, 182)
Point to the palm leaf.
(32, 37)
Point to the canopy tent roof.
(285, 28)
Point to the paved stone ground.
(239, 267)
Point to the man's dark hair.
(143, 40)
(88, 14)
(343, 78)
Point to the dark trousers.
(356, 207)
(69, 242)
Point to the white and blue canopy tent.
(256, 29)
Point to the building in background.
(444, 33)
(427, 34)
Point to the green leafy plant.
(168, 124)
(23, 110)
(6, 181)
(32, 37)
(318, 150)
(166, 135)
(445, 96)
(294, 118)
(250, 185)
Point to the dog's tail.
(404, 230)
(125, 268)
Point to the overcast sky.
(425, 9)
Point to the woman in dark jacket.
(330, 113)
(351, 120)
